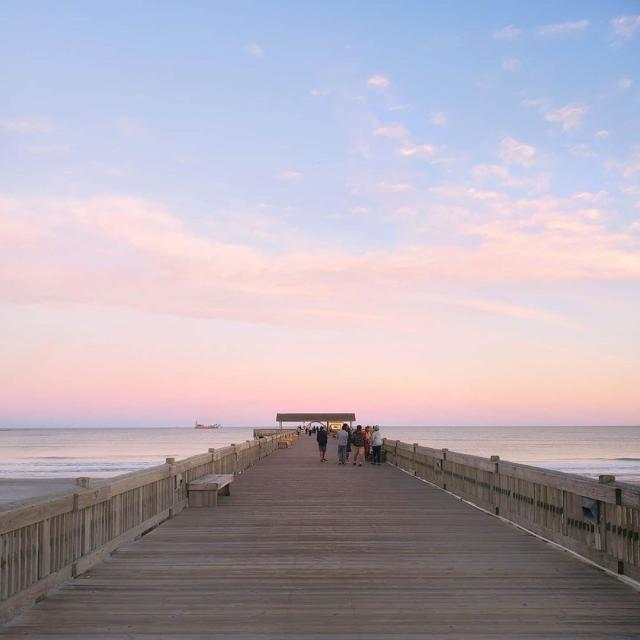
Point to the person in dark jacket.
(358, 445)
(322, 444)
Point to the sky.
(426, 213)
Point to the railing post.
(235, 459)
(415, 463)
(87, 518)
(444, 465)
(495, 481)
(250, 454)
(602, 515)
(116, 519)
(174, 483)
(75, 510)
(44, 544)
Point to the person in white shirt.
(376, 445)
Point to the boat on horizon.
(207, 426)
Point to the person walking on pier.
(343, 442)
(350, 432)
(367, 443)
(376, 445)
(322, 444)
(358, 445)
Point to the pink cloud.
(127, 252)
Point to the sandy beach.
(18, 491)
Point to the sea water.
(64, 453)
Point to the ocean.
(99, 453)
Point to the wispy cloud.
(27, 125)
(393, 132)
(188, 273)
(623, 29)
(510, 32)
(502, 176)
(289, 175)
(395, 187)
(378, 82)
(510, 64)
(320, 92)
(570, 116)
(591, 197)
(583, 151)
(511, 311)
(513, 151)
(400, 107)
(408, 148)
(603, 133)
(418, 151)
(439, 118)
(535, 103)
(254, 50)
(625, 83)
(563, 28)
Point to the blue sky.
(463, 173)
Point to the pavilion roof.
(316, 417)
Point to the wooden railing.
(598, 519)
(45, 543)
(262, 432)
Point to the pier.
(303, 549)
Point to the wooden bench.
(203, 492)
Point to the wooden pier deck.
(308, 550)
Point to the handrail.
(50, 541)
(598, 519)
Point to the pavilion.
(332, 420)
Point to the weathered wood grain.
(304, 549)
(598, 520)
(44, 543)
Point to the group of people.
(365, 444)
